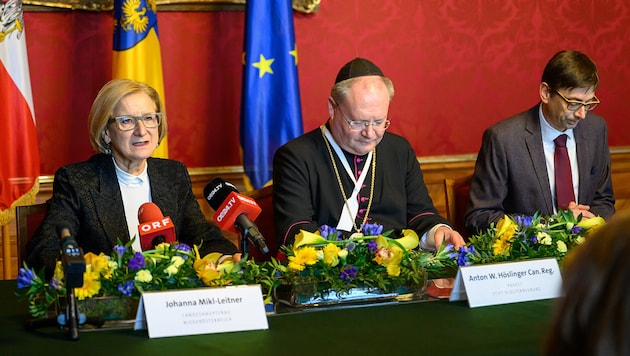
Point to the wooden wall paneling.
(434, 169)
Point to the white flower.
(143, 276)
(562, 247)
(177, 261)
(171, 270)
(544, 238)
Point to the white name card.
(201, 311)
(509, 282)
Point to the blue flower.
(524, 221)
(464, 254)
(350, 246)
(137, 262)
(348, 273)
(120, 250)
(126, 288)
(328, 232)
(185, 249)
(25, 278)
(372, 246)
(372, 229)
(55, 284)
(576, 229)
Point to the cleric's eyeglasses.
(128, 122)
(363, 125)
(575, 105)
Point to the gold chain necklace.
(343, 193)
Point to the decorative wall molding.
(305, 6)
(435, 169)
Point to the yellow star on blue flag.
(264, 66)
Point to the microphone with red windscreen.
(154, 228)
(234, 212)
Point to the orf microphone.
(72, 258)
(234, 211)
(154, 228)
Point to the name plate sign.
(201, 311)
(508, 282)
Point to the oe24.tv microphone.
(73, 263)
(234, 211)
(154, 228)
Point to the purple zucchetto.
(358, 67)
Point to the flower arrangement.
(126, 274)
(371, 259)
(519, 237)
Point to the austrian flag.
(19, 152)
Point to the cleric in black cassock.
(350, 171)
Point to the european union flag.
(271, 113)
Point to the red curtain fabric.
(458, 66)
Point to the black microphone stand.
(70, 317)
(73, 263)
(244, 242)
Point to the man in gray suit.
(514, 172)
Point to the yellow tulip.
(409, 240)
(308, 238)
(98, 262)
(591, 223)
(59, 271)
(331, 255)
(506, 228)
(206, 267)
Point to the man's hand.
(578, 209)
(447, 235)
(235, 257)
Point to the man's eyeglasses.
(363, 125)
(128, 122)
(575, 105)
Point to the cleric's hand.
(236, 258)
(444, 234)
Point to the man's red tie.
(562, 166)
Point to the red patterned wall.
(458, 66)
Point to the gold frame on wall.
(305, 6)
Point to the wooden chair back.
(28, 218)
(264, 221)
(456, 190)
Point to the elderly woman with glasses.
(351, 171)
(98, 200)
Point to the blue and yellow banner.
(137, 49)
(271, 112)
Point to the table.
(409, 328)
